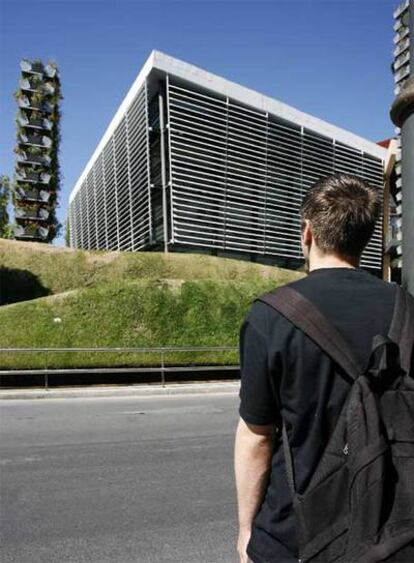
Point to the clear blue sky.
(330, 58)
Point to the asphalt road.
(118, 480)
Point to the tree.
(5, 227)
(67, 232)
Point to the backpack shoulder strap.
(402, 326)
(307, 317)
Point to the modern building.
(192, 162)
(36, 181)
(401, 71)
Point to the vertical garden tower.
(36, 182)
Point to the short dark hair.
(342, 210)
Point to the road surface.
(119, 480)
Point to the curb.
(139, 390)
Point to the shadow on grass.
(19, 285)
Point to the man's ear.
(307, 235)
(306, 239)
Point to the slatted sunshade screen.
(239, 175)
(112, 208)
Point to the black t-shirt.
(310, 393)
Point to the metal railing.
(161, 367)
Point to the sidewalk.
(138, 390)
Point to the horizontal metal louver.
(238, 175)
(237, 166)
(138, 162)
(112, 208)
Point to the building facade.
(194, 163)
(402, 70)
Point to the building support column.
(163, 169)
(386, 223)
(402, 114)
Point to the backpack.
(359, 504)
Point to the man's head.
(338, 216)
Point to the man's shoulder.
(332, 290)
(342, 280)
(343, 295)
(356, 302)
(268, 320)
(263, 317)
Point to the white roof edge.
(239, 93)
(129, 98)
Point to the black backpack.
(359, 504)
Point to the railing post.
(46, 374)
(162, 369)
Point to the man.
(285, 376)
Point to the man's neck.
(332, 261)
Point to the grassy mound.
(31, 270)
(99, 299)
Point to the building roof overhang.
(190, 73)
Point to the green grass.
(31, 270)
(129, 300)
